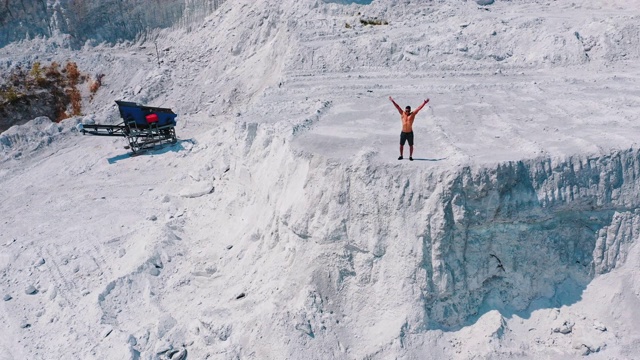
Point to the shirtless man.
(407, 118)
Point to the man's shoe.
(410, 158)
(400, 158)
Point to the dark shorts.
(406, 136)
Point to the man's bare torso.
(407, 121)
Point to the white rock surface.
(519, 215)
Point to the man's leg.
(403, 139)
(410, 138)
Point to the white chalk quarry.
(281, 226)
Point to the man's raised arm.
(421, 106)
(396, 105)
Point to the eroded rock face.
(500, 238)
(98, 21)
(27, 108)
(462, 242)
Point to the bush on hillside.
(9, 95)
(53, 86)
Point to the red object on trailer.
(151, 118)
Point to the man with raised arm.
(407, 118)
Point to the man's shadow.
(424, 159)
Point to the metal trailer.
(145, 127)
